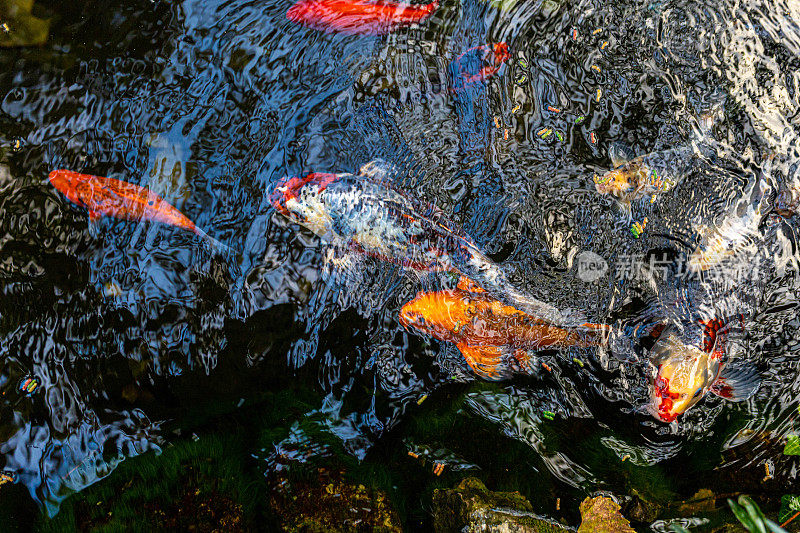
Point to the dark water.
(139, 335)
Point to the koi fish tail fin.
(217, 248)
(594, 334)
(566, 318)
(481, 271)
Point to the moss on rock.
(472, 507)
(601, 515)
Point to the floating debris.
(598, 30)
(497, 122)
(592, 138)
(599, 94)
(579, 119)
(505, 134)
(7, 477)
(603, 46)
(28, 386)
(422, 399)
(516, 108)
(574, 34)
(544, 133)
(550, 415)
(553, 109)
(547, 367)
(578, 361)
(560, 136)
(595, 68)
(638, 228)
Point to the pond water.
(139, 335)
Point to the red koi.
(358, 17)
(490, 57)
(119, 199)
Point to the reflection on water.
(212, 103)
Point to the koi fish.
(653, 174)
(732, 235)
(478, 64)
(119, 199)
(366, 215)
(358, 17)
(486, 331)
(648, 175)
(687, 372)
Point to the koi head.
(614, 182)
(438, 314)
(298, 199)
(685, 374)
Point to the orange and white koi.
(687, 372)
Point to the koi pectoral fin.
(495, 362)
(736, 383)
(484, 360)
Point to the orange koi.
(119, 199)
(487, 332)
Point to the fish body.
(103, 196)
(485, 330)
(478, 64)
(645, 176)
(687, 372)
(724, 241)
(358, 17)
(477, 319)
(370, 217)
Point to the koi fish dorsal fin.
(484, 360)
(620, 154)
(736, 382)
(467, 285)
(94, 216)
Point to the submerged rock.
(472, 507)
(331, 504)
(601, 515)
